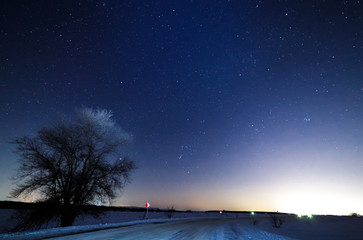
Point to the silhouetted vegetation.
(354, 215)
(73, 163)
(276, 220)
(170, 211)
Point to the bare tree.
(73, 163)
(170, 211)
(277, 221)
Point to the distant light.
(252, 213)
(305, 215)
(220, 212)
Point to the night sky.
(238, 105)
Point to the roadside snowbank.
(52, 232)
(8, 221)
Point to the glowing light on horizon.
(309, 203)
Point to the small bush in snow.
(170, 211)
(277, 222)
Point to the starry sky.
(238, 105)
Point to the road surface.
(186, 229)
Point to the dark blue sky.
(232, 104)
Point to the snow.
(52, 232)
(319, 227)
(197, 225)
(6, 219)
(170, 229)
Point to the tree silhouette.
(73, 163)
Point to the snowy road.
(191, 229)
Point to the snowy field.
(196, 225)
(7, 221)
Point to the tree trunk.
(68, 215)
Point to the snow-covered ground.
(7, 221)
(213, 228)
(195, 225)
(187, 229)
(318, 227)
